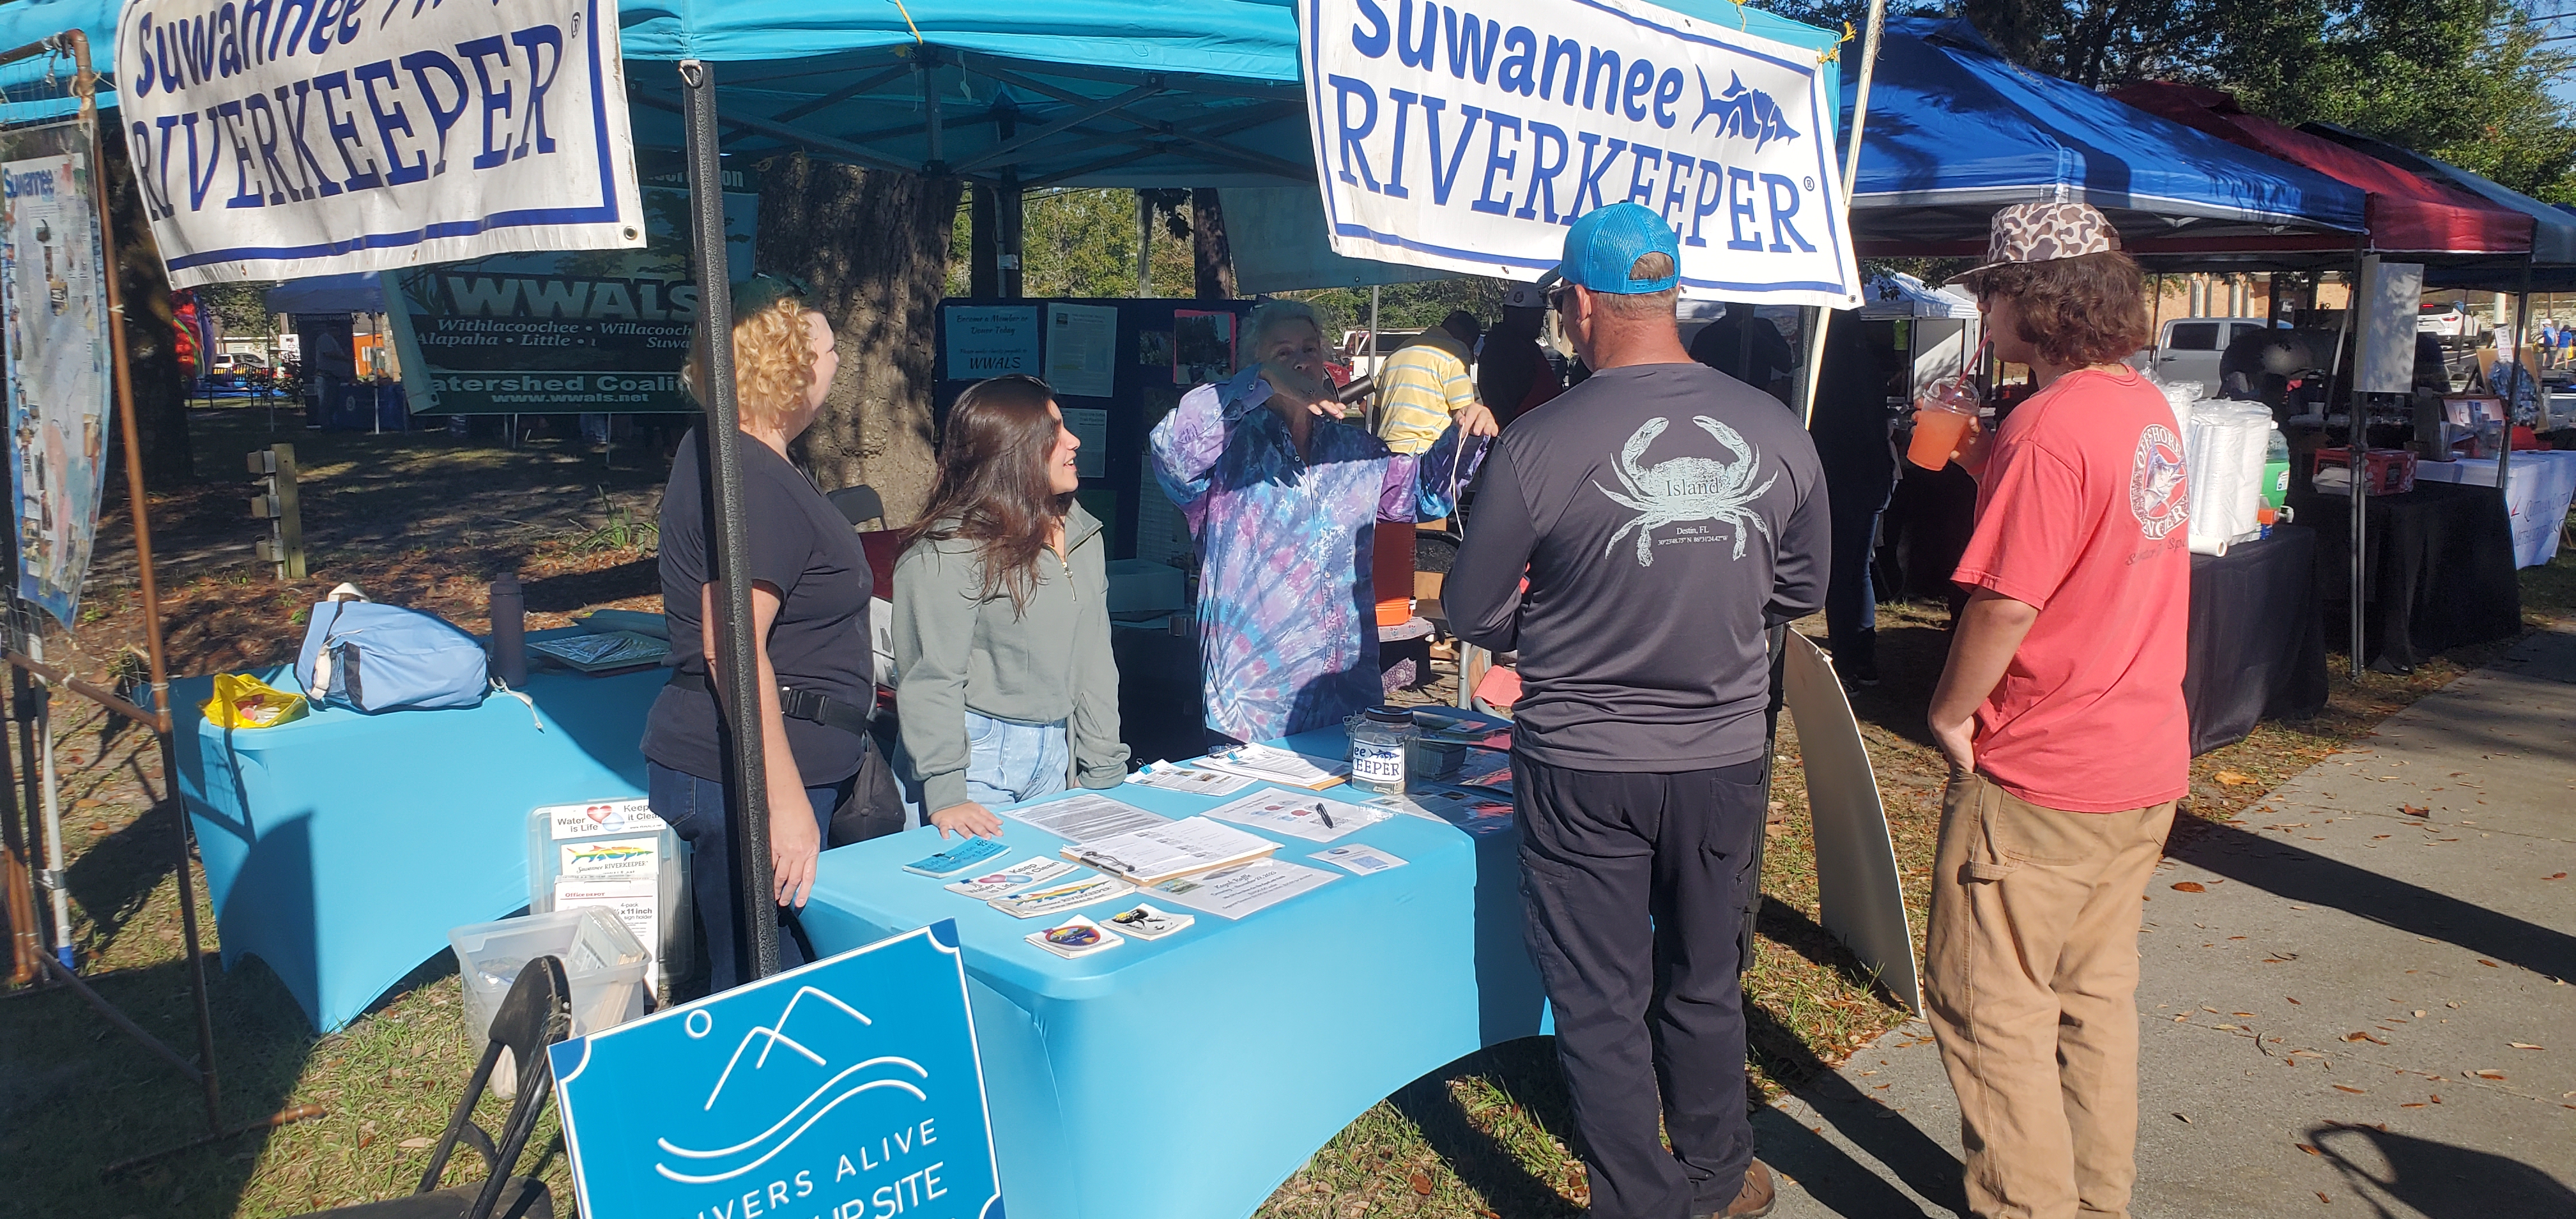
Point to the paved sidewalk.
(2331, 1011)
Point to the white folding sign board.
(1859, 899)
(1469, 141)
(275, 139)
(2391, 298)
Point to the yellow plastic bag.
(244, 701)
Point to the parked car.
(2187, 350)
(2454, 323)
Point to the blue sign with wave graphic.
(850, 1088)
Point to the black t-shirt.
(1720, 345)
(1664, 515)
(802, 546)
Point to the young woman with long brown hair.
(1005, 681)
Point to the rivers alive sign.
(594, 330)
(846, 1089)
(1469, 141)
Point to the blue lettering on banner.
(363, 110)
(851, 1088)
(1402, 86)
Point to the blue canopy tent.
(1955, 132)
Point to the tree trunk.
(873, 248)
(151, 348)
(1208, 247)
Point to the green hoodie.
(955, 650)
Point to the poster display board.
(598, 330)
(1469, 144)
(849, 1087)
(55, 305)
(315, 139)
(1117, 366)
(1859, 898)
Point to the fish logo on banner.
(309, 137)
(1468, 141)
(847, 1089)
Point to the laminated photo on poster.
(59, 380)
(1202, 347)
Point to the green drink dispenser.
(2276, 472)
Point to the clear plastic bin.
(602, 960)
(616, 855)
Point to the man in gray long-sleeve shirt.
(1664, 515)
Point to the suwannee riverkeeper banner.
(276, 139)
(1469, 140)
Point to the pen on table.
(1328, 817)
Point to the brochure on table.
(615, 854)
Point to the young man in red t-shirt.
(2061, 712)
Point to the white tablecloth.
(2542, 486)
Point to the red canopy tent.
(2406, 213)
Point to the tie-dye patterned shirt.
(1287, 615)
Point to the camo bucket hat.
(2044, 232)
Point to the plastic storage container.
(618, 856)
(601, 959)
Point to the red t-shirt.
(2080, 514)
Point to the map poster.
(55, 308)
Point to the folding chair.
(535, 1014)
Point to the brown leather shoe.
(1753, 1201)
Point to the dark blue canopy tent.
(1956, 132)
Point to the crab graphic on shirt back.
(1683, 489)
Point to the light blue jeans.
(1007, 762)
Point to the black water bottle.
(509, 630)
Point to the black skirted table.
(2437, 570)
(2256, 649)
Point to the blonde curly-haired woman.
(809, 604)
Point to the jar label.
(1377, 763)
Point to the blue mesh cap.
(1602, 245)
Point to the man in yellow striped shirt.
(1425, 384)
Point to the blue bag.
(371, 658)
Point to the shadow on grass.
(76, 1095)
(1789, 927)
(1525, 1071)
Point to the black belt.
(796, 704)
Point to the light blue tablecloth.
(1185, 1078)
(340, 849)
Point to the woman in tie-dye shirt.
(1284, 499)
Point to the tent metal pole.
(720, 440)
(2363, 278)
(1851, 175)
(1010, 202)
(1144, 245)
(2540, 393)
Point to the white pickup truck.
(2188, 349)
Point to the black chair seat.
(521, 1198)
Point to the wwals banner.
(275, 139)
(1468, 141)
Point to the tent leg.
(1010, 205)
(2358, 451)
(721, 438)
(2540, 393)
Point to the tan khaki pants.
(2033, 992)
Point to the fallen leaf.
(2234, 778)
(2523, 1045)
(2310, 1150)
(2412, 811)
(2190, 886)
(2435, 1099)
(2412, 1104)
(2185, 1121)
(2494, 1075)
(417, 1144)
(2354, 1091)
(1422, 1184)
(2555, 876)
(2358, 1036)
(2489, 964)
(2293, 1001)
(2321, 1197)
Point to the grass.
(1489, 1135)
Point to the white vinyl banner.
(1468, 141)
(275, 139)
